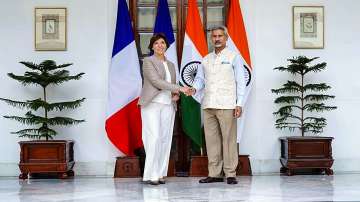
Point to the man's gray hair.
(219, 27)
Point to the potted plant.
(44, 155)
(300, 101)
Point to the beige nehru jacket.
(220, 84)
(154, 79)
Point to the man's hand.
(237, 112)
(192, 91)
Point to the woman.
(158, 104)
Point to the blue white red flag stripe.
(123, 123)
(163, 25)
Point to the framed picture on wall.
(308, 27)
(50, 29)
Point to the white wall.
(90, 33)
(89, 50)
(269, 26)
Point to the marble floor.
(344, 187)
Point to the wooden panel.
(244, 166)
(127, 167)
(38, 153)
(199, 166)
(308, 149)
(171, 168)
(317, 163)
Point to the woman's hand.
(175, 97)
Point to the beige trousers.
(221, 145)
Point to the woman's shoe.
(162, 181)
(154, 182)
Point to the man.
(221, 75)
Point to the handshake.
(188, 91)
(175, 96)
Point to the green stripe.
(191, 119)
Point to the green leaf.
(318, 120)
(316, 68)
(47, 65)
(286, 116)
(302, 60)
(64, 65)
(31, 136)
(63, 121)
(60, 73)
(65, 105)
(315, 126)
(317, 97)
(318, 107)
(289, 126)
(61, 79)
(316, 87)
(296, 68)
(287, 69)
(36, 131)
(24, 80)
(289, 87)
(29, 119)
(14, 103)
(39, 103)
(31, 65)
(286, 110)
(287, 99)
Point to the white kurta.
(157, 129)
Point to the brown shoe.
(231, 180)
(211, 180)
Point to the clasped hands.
(188, 91)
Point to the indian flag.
(238, 42)
(194, 49)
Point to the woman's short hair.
(156, 37)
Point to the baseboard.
(9, 169)
(258, 166)
(80, 169)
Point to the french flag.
(123, 123)
(163, 25)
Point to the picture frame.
(50, 29)
(308, 27)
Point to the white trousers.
(157, 131)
